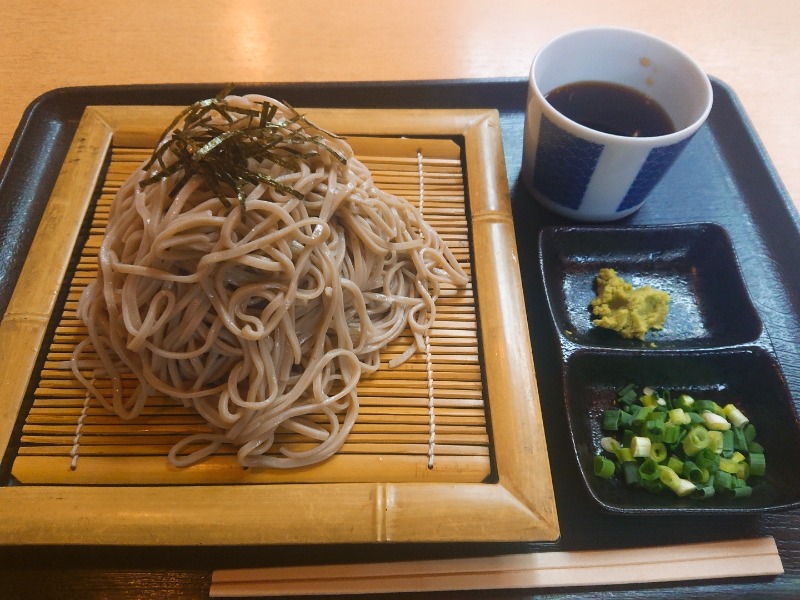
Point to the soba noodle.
(260, 302)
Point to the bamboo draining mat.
(379, 487)
(399, 435)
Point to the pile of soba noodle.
(252, 270)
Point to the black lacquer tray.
(724, 178)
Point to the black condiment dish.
(747, 377)
(694, 263)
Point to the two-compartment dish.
(713, 345)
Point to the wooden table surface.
(45, 45)
(752, 46)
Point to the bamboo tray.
(423, 462)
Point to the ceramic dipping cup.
(587, 174)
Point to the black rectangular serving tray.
(724, 177)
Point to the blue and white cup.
(589, 175)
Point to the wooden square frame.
(518, 506)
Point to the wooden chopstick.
(688, 562)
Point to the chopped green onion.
(672, 434)
(705, 475)
(640, 446)
(739, 440)
(744, 491)
(735, 416)
(707, 491)
(695, 441)
(743, 472)
(609, 444)
(681, 487)
(611, 419)
(648, 400)
(758, 464)
(630, 472)
(728, 465)
(696, 419)
(707, 459)
(714, 422)
(675, 464)
(715, 443)
(641, 415)
(648, 470)
(627, 437)
(727, 443)
(678, 416)
(603, 467)
(628, 397)
(689, 446)
(655, 430)
(691, 471)
(710, 406)
(624, 455)
(654, 487)
(723, 481)
(658, 452)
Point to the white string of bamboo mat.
(78, 430)
(428, 361)
(757, 557)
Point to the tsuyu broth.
(611, 108)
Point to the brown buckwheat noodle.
(263, 323)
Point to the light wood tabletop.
(749, 45)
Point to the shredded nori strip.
(220, 153)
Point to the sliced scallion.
(714, 422)
(695, 441)
(739, 440)
(640, 446)
(735, 416)
(630, 472)
(706, 491)
(672, 434)
(603, 467)
(727, 443)
(716, 442)
(611, 419)
(675, 464)
(658, 452)
(609, 444)
(758, 464)
(648, 470)
(678, 416)
(681, 487)
(689, 446)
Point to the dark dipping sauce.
(611, 108)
